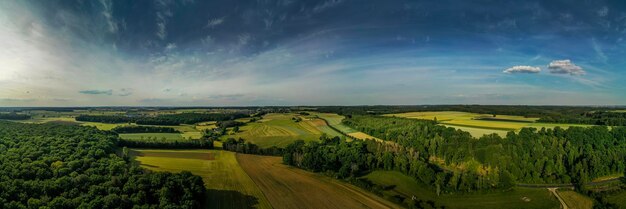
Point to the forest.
(169, 119)
(59, 166)
(429, 152)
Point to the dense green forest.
(429, 152)
(58, 166)
(143, 129)
(13, 116)
(169, 119)
(160, 143)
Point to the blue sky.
(332, 52)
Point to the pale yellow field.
(480, 124)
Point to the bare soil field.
(288, 187)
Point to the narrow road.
(553, 190)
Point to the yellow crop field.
(481, 124)
(228, 185)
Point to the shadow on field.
(227, 199)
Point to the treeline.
(575, 155)
(352, 159)
(604, 118)
(548, 114)
(169, 119)
(241, 146)
(14, 116)
(143, 129)
(57, 166)
(156, 143)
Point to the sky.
(328, 52)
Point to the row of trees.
(57, 166)
(165, 119)
(143, 129)
(14, 116)
(241, 146)
(549, 114)
(575, 155)
(163, 143)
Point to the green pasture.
(407, 187)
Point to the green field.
(280, 130)
(618, 198)
(575, 200)
(480, 124)
(335, 121)
(407, 187)
(228, 185)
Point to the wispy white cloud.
(522, 69)
(565, 67)
(212, 23)
(108, 15)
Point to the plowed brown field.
(288, 187)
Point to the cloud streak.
(522, 69)
(97, 92)
(565, 67)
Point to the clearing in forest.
(289, 187)
(400, 185)
(575, 200)
(280, 129)
(228, 185)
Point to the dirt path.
(288, 187)
(553, 190)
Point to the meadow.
(228, 185)
(575, 200)
(289, 187)
(407, 187)
(480, 124)
(334, 120)
(279, 129)
(618, 198)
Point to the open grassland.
(146, 136)
(618, 198)
(334, 120)
(516, 198)
(480, 124)
(575, 200)
(280, 130)
(228, 185)
(288, 187)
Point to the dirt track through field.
(288, 187)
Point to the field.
(288, 187)
(280, 130)
(575, 200)
(517, 198)
(480, 124)
(227, 183)
(334, 120)
(618, 199)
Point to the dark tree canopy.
(58, 166)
